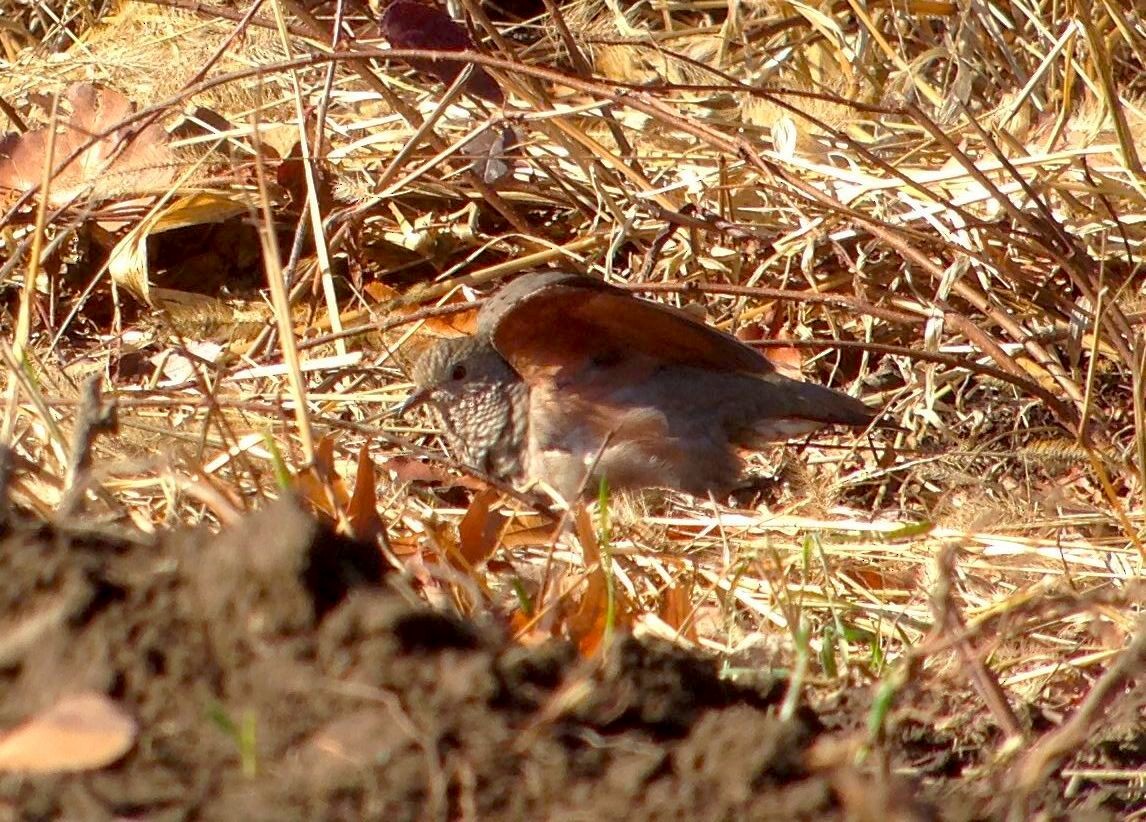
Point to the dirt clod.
(275, 676)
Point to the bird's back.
(649, 425)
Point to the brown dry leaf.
(522, 625)
(529, 531)
(431, 328)
(408, 469)
(109, 166)
(128, 263)
(405, 546)
(290, 174)
(1038, 372)
(380, 292)
(494, 152)
(452, 325)
(588, 624)
(362, 510)
(79, 733)
(479, 532)
(676, 611)
(458, 324)
(788, 361)
(787, 358)
(440, 544)
(877, 579)
(320, 484)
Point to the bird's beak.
(413, 401)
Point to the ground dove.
(568, 379)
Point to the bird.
(568, 380)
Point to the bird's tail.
(774, 407)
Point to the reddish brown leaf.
(787, 359)
(412, 25)
(878, 579)
(291, 175)
(520, 623)
(362, 509)
(451, 325)
(499, 566)
(588, 536)
(408, 469)
(118, 163)
(405, 546)
(529, 531)
(320, 485)
(413, 555)
(479, 532)
(589, 622)
(676, 611)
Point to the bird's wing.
(556, 323)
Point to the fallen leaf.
(492, 152)
(128, 262)
(362, 510)
(78, 733)
(111, 160)
(676, 611)
(320, 485)
(479, 532)
(408, 469)
(411, 25)
(788, 359)
(595, 617)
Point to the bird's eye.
(459, 373)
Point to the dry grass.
(953, 192)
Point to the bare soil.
(278, 672)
